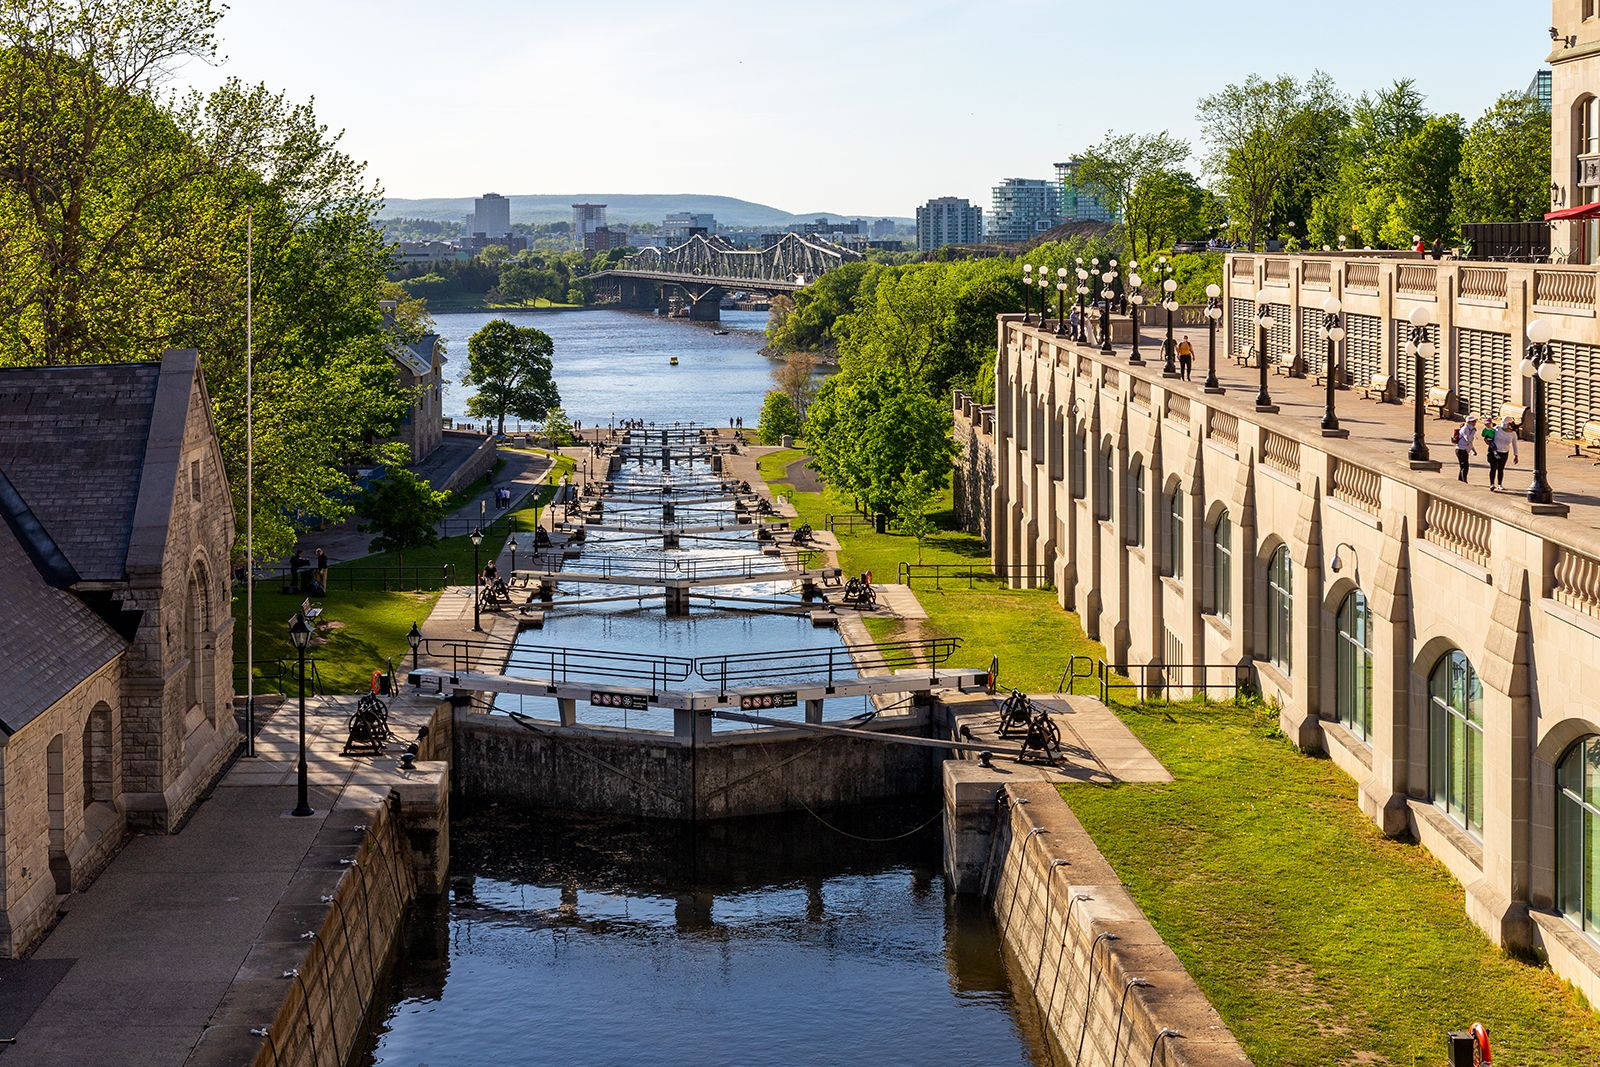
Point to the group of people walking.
(1500, 440)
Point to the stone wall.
(1107, 988)
(972, 480)
(476, 465)
(623, 772)
(1094, 455)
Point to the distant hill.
(620, 207)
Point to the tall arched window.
(1455, 739)
(1353, 665)
(1174, 532)
(1578, 834)
(1280, 609)
(1135, 514)
(1222, 568)
(1104, 487)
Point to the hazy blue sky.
(867, 107)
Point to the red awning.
(1582, 211)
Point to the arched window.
(1578, 834)
(1353, 665)
(1174, 532)
(1280, 609)
(1134, 534)
(1080, 464)
(97, 755)
(1222, 568)
(1104, 489)
(1455, 739)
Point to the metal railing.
(558, 664)
(345, 576)
(816, 664)
(848, 523)
(1037, 573)
(671, 569)
(280, 674)
(1154, 681)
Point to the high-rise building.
(678, 226)
(491, 215)
(1078, 205)
(882, 228)
(947, 220)
(586, 218)
(1539, 88)
(1023, 209)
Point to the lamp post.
(1263, 324)
(1169, 303)
(1213, 314)
(1061, 297)
(1420, 349)
(1333, 333)
(1541, 366)
(1027, 293)
(1135, 298)
(414, 639)
(1044, 293)
(477, 584)
(1107, 277)
(300, 635)
(511, 543)
(1083, 291)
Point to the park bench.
(1286, 363)
(1518, 414)
(1591, 437)
(1378, 386)
(1442, 400)
(310, 612)
(1247, 358)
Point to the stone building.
(420, 367)
(116, 656)
(972, 477)
(1575, 129)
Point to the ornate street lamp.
(1213, 315)
(1083, 291)
(511, 543)
(1027, 294)
(1061, 296)
(1420, 348)
(1333, 333)
(1169, 303)
(1044, 293)
(1263, 324)
(414, 639)
(477, 576)
(300, 636)
(1107, 277)
(1541, 366)
(1135, 298)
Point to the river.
(612, 363)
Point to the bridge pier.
(669, 538)
(707, 306)
(677, 600)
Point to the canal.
(612, 363)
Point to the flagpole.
(249, 487)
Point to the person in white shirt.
(1502, 445)
(1466, 441)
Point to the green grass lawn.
(1317, 938)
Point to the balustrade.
(1139, 392)
(1361, 275)
(1223, 427)
(1278, 271)
(1177, 408)
(1563, 288)
(1109, 379)
(1483, 283)
(1318, 271)
(1464, 532)
(1356, 486)
(1576, 581)
(1243, 266)
(1418, 278)
(1281, 453)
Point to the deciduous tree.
(512, 370)
(402, 511)
(1505, 164)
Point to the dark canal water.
(616, 363)
(572, 940)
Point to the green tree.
(1172, 207)
(912, 503)
(779, 416)
(557, 428)
(512, 370)
(874, 425)
(402, 510)
(1256, 133)
(1121, 171)
(1505, 164)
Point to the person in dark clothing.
(297, 563)
(319, 581)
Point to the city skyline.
(886, 99)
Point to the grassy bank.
(1317, 938)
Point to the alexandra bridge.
(704, 268)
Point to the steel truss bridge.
(704, 268)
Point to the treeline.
(123, 218)
(496, 276)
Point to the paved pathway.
(155, 951)
(1096, 745)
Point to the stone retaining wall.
(476, 466)
(1079, 942)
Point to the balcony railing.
(1483, 283)
(1361, 276)
(1563, 288)
(1278, 270)
(1576, 582)
(1318, 271)
(1139, 392)
(1177, 408)
(1223, 427)
(1356, 486)
(1421, 279)
(1282, 453)
(1464, 532)
(1243, 266)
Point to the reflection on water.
(616, 364)
(576, 940)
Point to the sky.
(863, 108)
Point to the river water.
(611, 363)
(576, 940)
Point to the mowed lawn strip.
(1317, 938)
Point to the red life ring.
(1480, 1036)
(375, 676)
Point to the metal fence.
(849, 523)
(559, 664)
(281, 675)
(816, 664)
(344, 576)
(1035, 573)
(1154, 681)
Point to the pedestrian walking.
(1185, 358)
(1465, 439)
(1502, 446)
